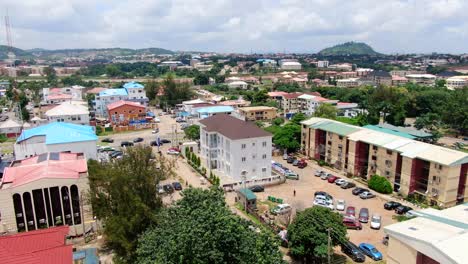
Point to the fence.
(273, 180)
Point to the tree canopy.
(326, 111)
(308, 236)
(192, 132)
(124, 196)
(200, 228)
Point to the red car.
(352, 223)
(301, 164)
(351, 211)
(333, 178)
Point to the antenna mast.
(11, 55)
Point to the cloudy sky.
(239, 25)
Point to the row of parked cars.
(344, 184)
(169, 188)
(359, 253)
(300, 163)
(289, 174)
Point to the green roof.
(390, 131)
(408, 130)
(335, 127)
(248, 194)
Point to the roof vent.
(413, 228)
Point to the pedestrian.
(294, 192)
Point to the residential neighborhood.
(234, 132)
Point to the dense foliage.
(380, 184)
(192, 132)
(200, 228)
(326, 111)
(124, 196)
(308, 235)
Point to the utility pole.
(329, 245)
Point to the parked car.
(106, 149)
(332, 179)
(402, 209)
(138, 139)
(351, 211)
(108, 140)
(115, 154)
(257, 188)
(392, 205)
(168, 188)
(328, 196)
(177, 186)
(370, 251)
(319, 173)
(173, 151)
(325, 176)
(155, 131)
(164, 141)
(291, 175)
(291, 159)
(295, 162)
(184, 126)
(322, 201)
(126, 144)
(359, 190)
(281, 209)
(157, 120)
(364, 215)
(154, 143)
(180, 120)
(340, 205)
(340, 181)
(348, 185)
(285, 156)
(160, 189)
(351, 223)
(366, 195)
(302, 164)
(353, 251)
(376, 222)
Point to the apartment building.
(398, 80)
(68, 112)
(413, 167)
(46, 191)
(423, 79)
(456, 82)
(381, 78)
(126, 113)
(235, 149)
(348, 83)
(60, 95)
(290, 65)
(131, 91)
(136, 93)
(323, 64)
(257, 113)
(309, 103)
(433, 237)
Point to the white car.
(339, 182)
(340, 205)
(157, 120)
(155, 131)
(323, 202)
(325, 176)
(376, 222)
(172, 151)
(319, 173)
(281, 209)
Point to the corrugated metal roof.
(133, 85)
(216, 109)
(60, 132)
(248, 194)
(114, 92)
(389, 131)
(336, 127)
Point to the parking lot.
(308, 184)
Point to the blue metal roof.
(114, 92)
(60, 132)
(133, 85)
(216, 109)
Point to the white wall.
(78, 119)
(36, 146)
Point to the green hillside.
(349, 48)
(18, 52)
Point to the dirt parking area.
(308, 184)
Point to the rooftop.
(9, 124)
(256, 108)
(232, 127)
(114, 92)
(438, 234)
(390, 131)
(67, 109)
(216, 109)
(122, 103)
(44, 246)
(48, 165)
(130, 85)
(248, 194)
(59, 132)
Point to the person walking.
(294, 192)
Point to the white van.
(281, 209)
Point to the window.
(387, 173)
(340, 137)
(264, 143)
(374, 157)
(389, 152)
(388, 163)
(374, 147)
(329, 142)
(243, 146)
(264, 156)
(243, 159)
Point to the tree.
(391, 102)
(380, 184)
(113, 71)
(286, 137)
(124, 196)
(201, 79)
(277, 121)
(174, 93)
(192, 132)
(200, 228)
(51, 75)
(326, 111)
(307, 234)
(298, 118)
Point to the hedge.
(380, 184)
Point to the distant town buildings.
(290, 65)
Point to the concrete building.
(423, 79)
(60, 95)
(238, 84)
(290, 65)
(125, 113)
(347, 109)
(46, 191)
(131, 91)
(234, 148)
(398, 80)
(323, 64)
(432, 172)
(136, 93)
(10, 128)
(257, 113)
(309, 103)
(456, 82)
(68, 112)
(381, 78)
(56, 137)
(214, 110)
(433, 237)
(348, 83)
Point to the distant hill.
(57, 54)
(349, 48)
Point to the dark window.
(374, 157)
(389, 152)
(19, 212)
(39, 208)
(28, 210)
(374, 147)
(48, 207)
(75, 204)
(66, 205)
(56, 206)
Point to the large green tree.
(174, 93)
(286, 137)
(192, 132)
(391, 102)
(308, 235)
(200, 228)
(326, 111)
(124, 196)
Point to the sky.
(262, 26)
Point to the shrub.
(380, 184)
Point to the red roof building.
(45, 246)
(123, 112)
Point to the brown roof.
(232, 127)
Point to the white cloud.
(240, 25)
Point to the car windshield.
(374, 250)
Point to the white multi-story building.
(323, 64)
(456, 82)
(235, 148)
(290, 65)
(308, 104)
(350, 82)
(59, 95)
(136, 93)
(424, 79)
(68, 112)
(131, 91)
